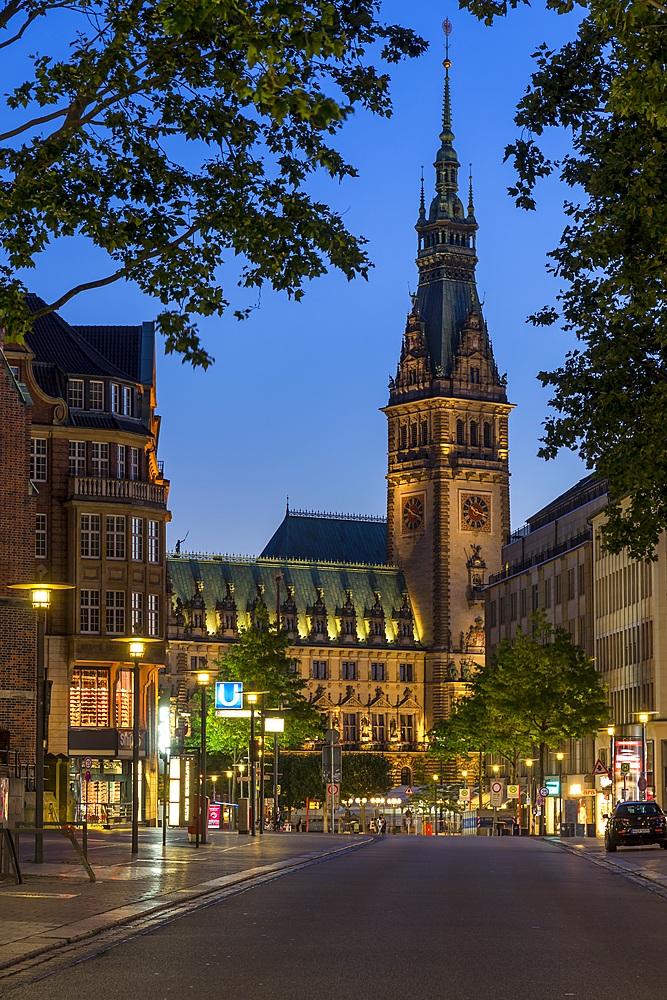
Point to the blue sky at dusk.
(292, 405)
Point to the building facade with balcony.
(99, 525)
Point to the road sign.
(544, 792)
(464, 794)
(228, 694)
(496, 793)
(87, 775)
(641, 784)
(514, 791)
(87, 763)
(333, 789)
(332, 736)
(599, 768)
(625, 767)
(327, 751)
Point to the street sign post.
(513, 791)
(544, 792)
(600, 768)
(331, 769)
(87, 763)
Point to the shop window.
(89, 698)
(77, 458)
(349, 727)
(75, 393)
(115, 537)
(38, 460)
(90, 536)
(99, 459)
(116, 611)
(349, 670)
(125, 699)
(407, 728)
(377, 724)
(40, 536)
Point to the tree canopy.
(608, 88)
(172, 135)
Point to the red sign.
(214, 817)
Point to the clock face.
(475, 512)
(413, 512)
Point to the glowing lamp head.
(610, 730)
(559, 756)
(203, 678)
(230, 774)
(252, 698)
(136, 649)
(464, 773)
(643, 718)
(495, 767)
(435, 777)
(529, 763)
(41, 599)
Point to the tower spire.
(471, 207)
(446, 101)
(422, 206)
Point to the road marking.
(44, 895)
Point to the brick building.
(18, 623)
(97, 523)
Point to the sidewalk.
(649, 862)
(57, 903)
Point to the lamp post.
(435, 804)
(136, 646)
(493, 832)
(559, 758)
(643, 718)
(529, 777)
(612, 762)
(252, 699)
(41, 602)
(203, 678)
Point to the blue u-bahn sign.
(229, 694)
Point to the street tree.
(545, 687)
(176, 135)
(607, 87)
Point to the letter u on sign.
(228, 694)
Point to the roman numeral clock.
(412, 513)
(475, 512)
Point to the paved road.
(446, 918)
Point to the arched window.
(460, 432)
(404, 436)
(413, 435)
(487, 435)
(406, 776)
(473, 434)
(424, 432)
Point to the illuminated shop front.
(101, 718)
(628, 768)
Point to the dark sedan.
(635, 823)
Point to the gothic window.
(487, 435)
(424, 429)
(404, 436)
(413, 435)
(460, 432)
(473, 434)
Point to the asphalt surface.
(446, 918)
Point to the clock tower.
(448, 478)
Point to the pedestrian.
(382, 826)
(298, 825)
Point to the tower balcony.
(124, 490)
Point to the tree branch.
(101, 282)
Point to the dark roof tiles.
(329, 539)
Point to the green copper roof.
(329, 538)
(250, 578)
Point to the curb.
(187, 896)
(605, 862)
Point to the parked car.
(634, 823)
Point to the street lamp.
(252, 699)
(214, 778)
(529, 779)
(435, 804)
(559, 758)
(203, 678)
(41, 602)
(136, 646)
(230, 775)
